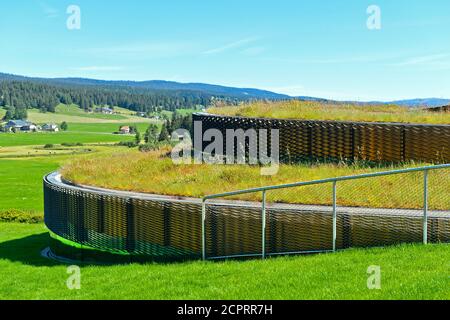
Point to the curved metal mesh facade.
(391, 142)
(170, 228)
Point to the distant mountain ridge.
(431, 102)
(211, 89)
(159, 85)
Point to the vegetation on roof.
(311, 110)
(154, 172)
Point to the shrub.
(21, 216)
(64, 126)
(49, 146)
(152, 146)
(129, 144)
(72, 144)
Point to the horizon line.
(229, 86)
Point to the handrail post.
(204, 229)
(263, 222)
(425, 207)
(334, 215)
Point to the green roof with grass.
(308, 110)
(154, 172)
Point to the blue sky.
(316, 48)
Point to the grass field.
(83, 128)
(407, 272)
(155, 173)
(39, 151)
(21, 186)
(42, 138)
(341, 112)
(105, 128)
(73, 114)
(21, 178)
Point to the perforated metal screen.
(165, 227)
(300, 139)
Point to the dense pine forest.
(17, 94)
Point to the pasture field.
(407, 272)
(73, 114)
(21, 172)
(40, 151)
(83, 127)
(42, 138)
(107, 128)
(332, 111)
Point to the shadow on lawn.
(27, 250)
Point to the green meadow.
(71, 113)
(21, 186)
(42, 138)
(105, 128)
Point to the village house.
(105, 110)
(20, 125)
(50, 127)
(124, 130)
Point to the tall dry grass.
(155, 173)
(334, 111)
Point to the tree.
(151, 135)
(64, 126)
(138, 137)
(164, 135)
(133, 130)
(21, 113)
(9, 114)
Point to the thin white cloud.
(98, 68)
(232, 45)
(49, 11)
(425, 60)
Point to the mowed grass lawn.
(21, 182)
(407, 272)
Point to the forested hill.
(23, 93)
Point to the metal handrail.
(322, 181)
(335, 180)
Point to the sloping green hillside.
(73, 114)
